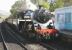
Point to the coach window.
(58, 17)
(67, 17)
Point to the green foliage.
(13, 12)
(15, 7)
(57, 4)
(52, 7)
(44, 3)
(19, 3)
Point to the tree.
(16, 7)
(44, 3)
(56, 4)
(67, 2)
(52, 7)
(59, 3)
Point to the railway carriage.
(63, 22)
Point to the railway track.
(6, 33)
(48, 46)
(3, 40)
(45, 45)
(53, 46)
(58, 45)
(15, 35)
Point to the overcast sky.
(5, 5)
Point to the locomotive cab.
(26, 23)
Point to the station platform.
(66, 33)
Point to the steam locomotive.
(38, 25)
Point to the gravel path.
(35, 47)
